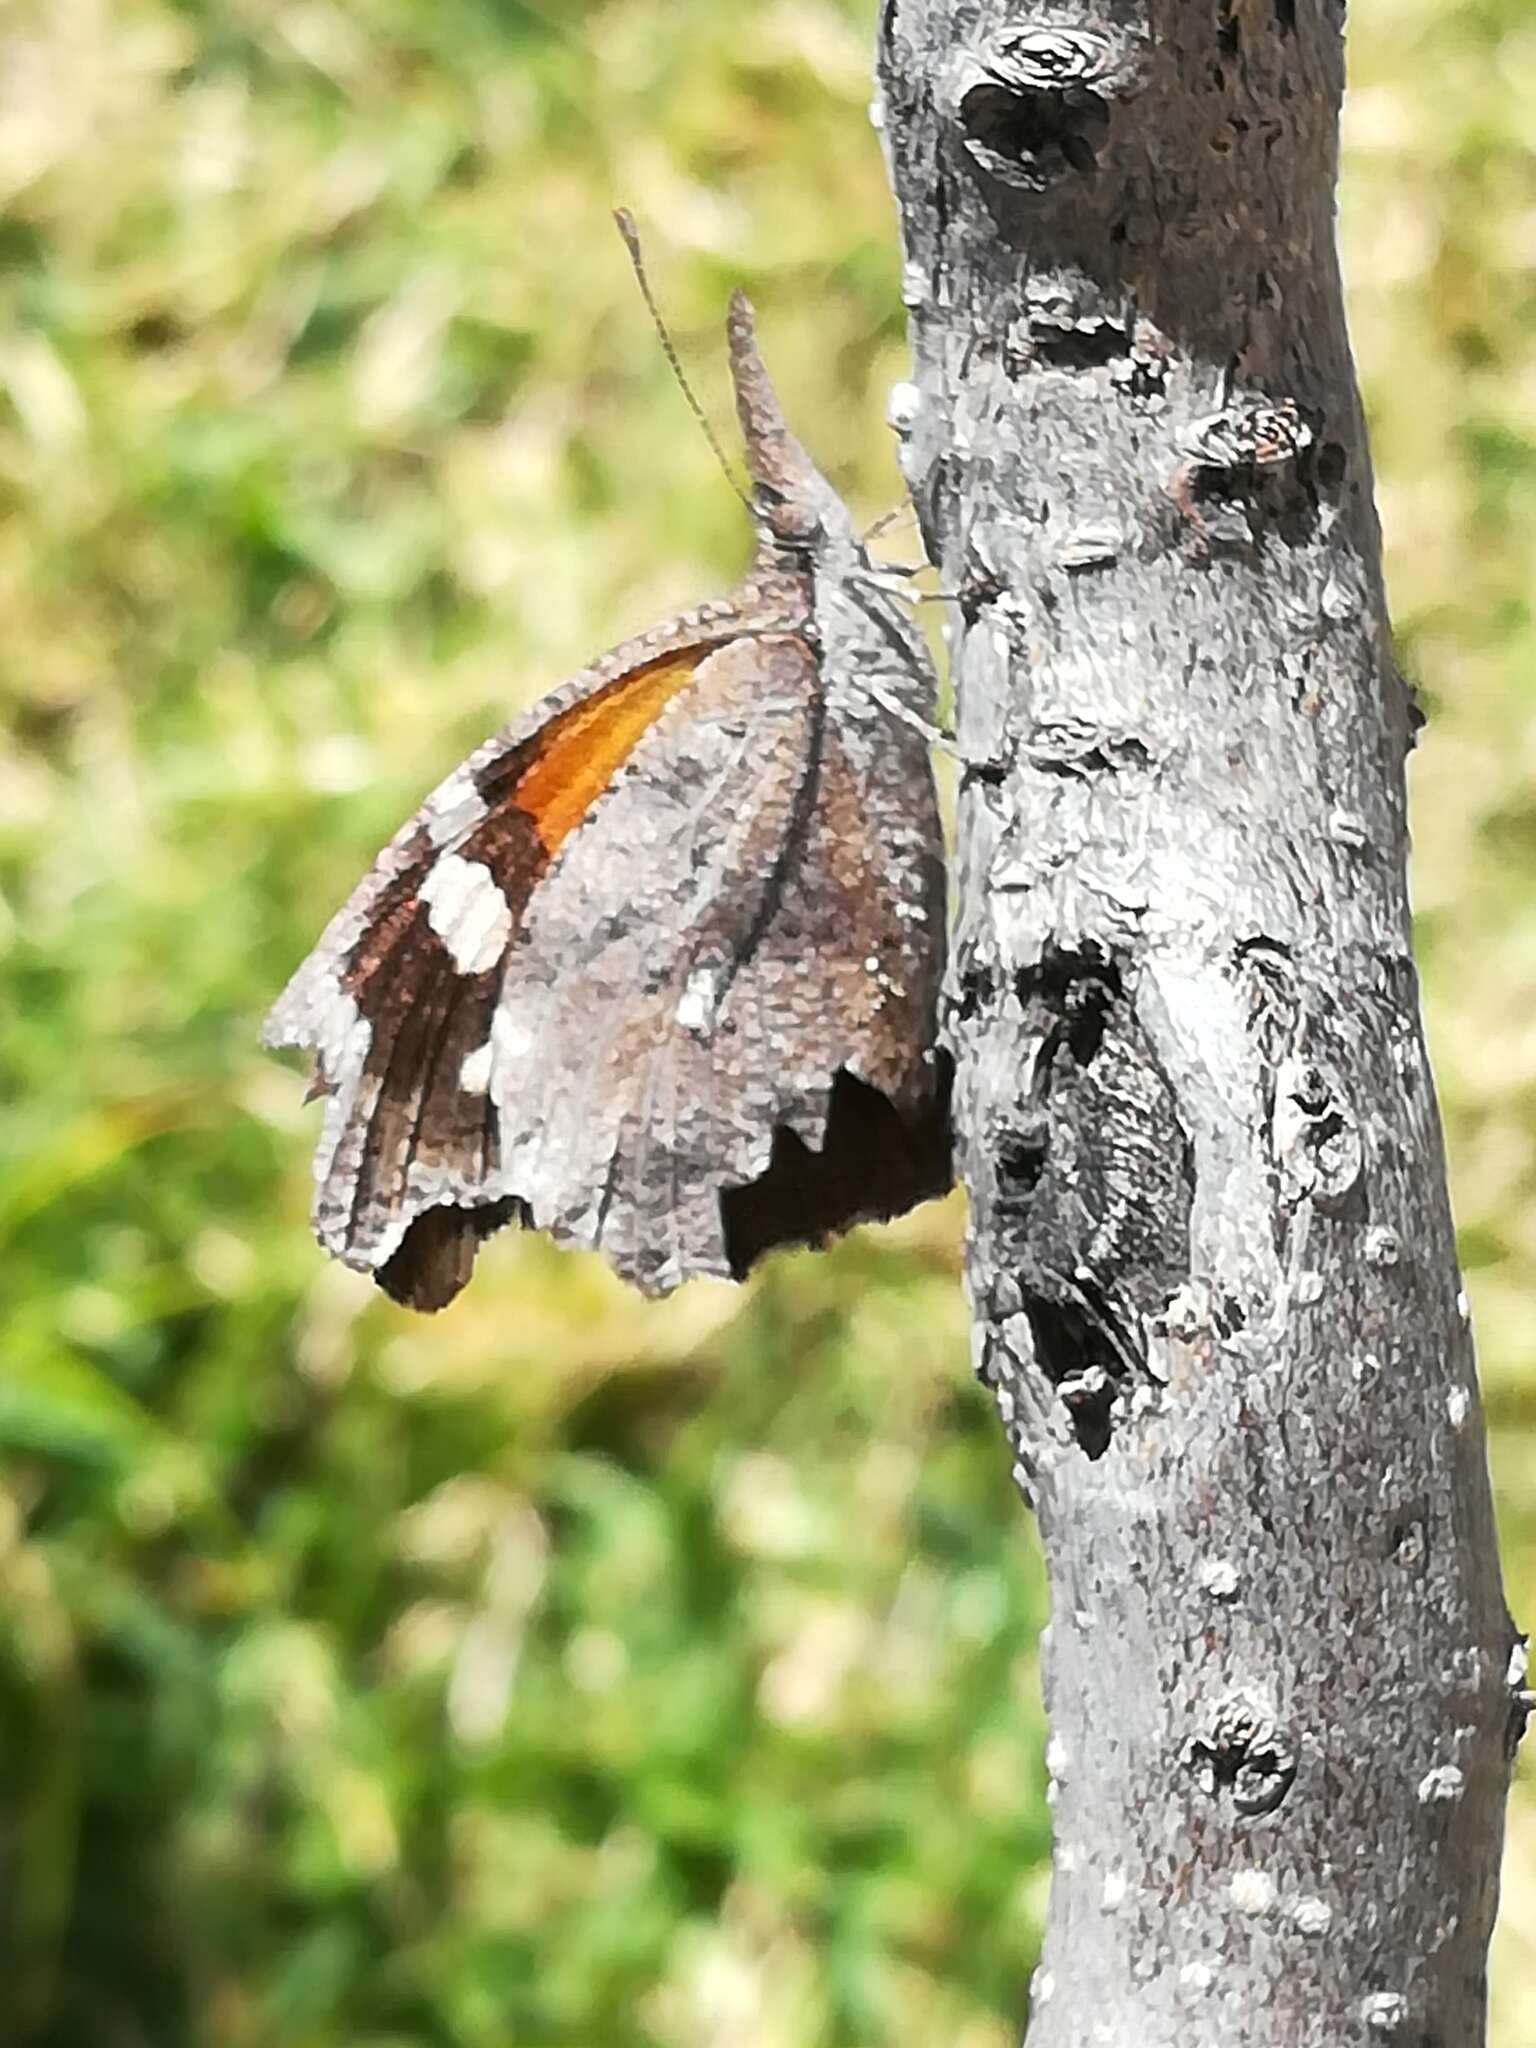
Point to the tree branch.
(1211, 1256)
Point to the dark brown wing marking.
(873, 1162)
(437, 1253)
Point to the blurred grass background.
(564, 1670)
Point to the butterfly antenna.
(624, 221)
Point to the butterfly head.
(798, 508)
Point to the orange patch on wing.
(577, 754)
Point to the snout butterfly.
(656, 969)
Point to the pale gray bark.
(1211, 1257)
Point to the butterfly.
(657, 968)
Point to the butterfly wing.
(404, 981)
(634, 938)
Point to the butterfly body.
(656, 969)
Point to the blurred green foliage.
(564, 1670)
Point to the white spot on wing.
(696, 1005)
(509, 1041)
(467, 911)
(475, 1071)
(454, 809)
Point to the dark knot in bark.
(1033, 105)
(1244, 1757)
